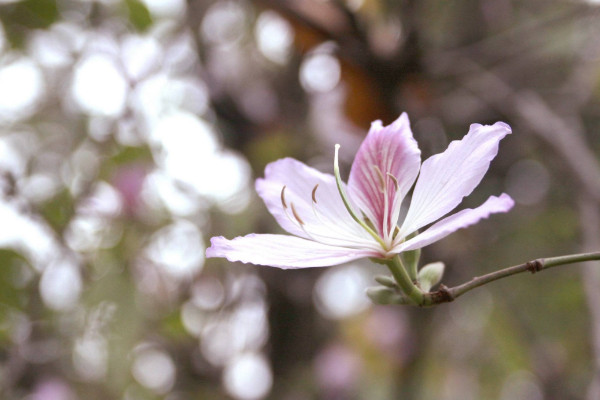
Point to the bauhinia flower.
(333, 223)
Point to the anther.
(393, 178)
(296, 214)
(283, 197)
(380, 176)
(314, 193)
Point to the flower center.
(389, 226)
(353, 214)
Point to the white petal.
(282, 251)
(448, 177)
(457, 221)
(328, 219)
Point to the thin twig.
(445, 294)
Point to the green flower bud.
(430, 275)
(383, 295)
(386, 281)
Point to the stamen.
(296, 214)
(342, 192)
(339, 238)
(283, 197)
(314, 194)
(381, 178)
(393, 178)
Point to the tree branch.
(445, 294)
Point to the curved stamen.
(384, 191)
(338, 181)
(330, 223)
(283, 197)
(334, 241)
(343, 239)
(396, 209)
(393, 178)
(296, 214)
(382, 185)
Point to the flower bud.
(384, 295)
(430, 275)
(386, 281)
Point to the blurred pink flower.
(314, 207)
(52, 389)
(129, 181)
(388, 330)
(337, 369)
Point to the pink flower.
(129, 182)
(333, 222)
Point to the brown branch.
(445, 294)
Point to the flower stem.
(401, 276)
(445, 294)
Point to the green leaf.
(128, 154)
(139, 16)
(21, 17)
(59, 210)
(34, 14)
(11, 269)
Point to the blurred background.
(131, 131)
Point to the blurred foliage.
(139, 15)
(22, 16)
(131, 132)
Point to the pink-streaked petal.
(446, 178)
(331, 219)
(393, 150)
(282, 251)
(457, 221)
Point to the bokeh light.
(22, 86)
(99, 86)
(153, 368)
(224, 22)
(274, 36)
(131, 132)
(320, 72)
(248, 377)
(61, 285)
(178, 250)
(90, 357)
(340, 291)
